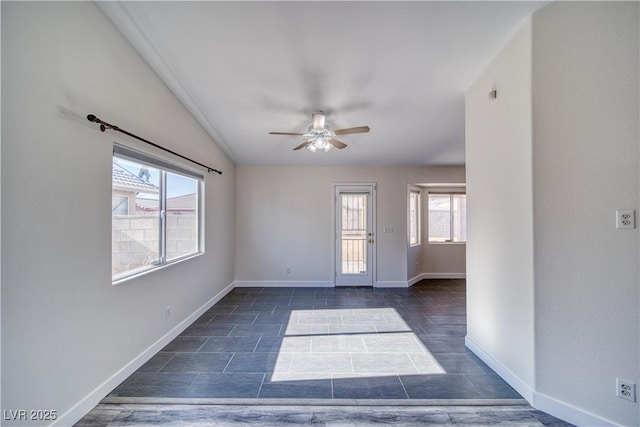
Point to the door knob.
(370, 240)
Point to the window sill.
(447, 243)
(151, 269)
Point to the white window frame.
(451, 219)
(418, 216)
(164, 166)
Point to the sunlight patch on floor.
(351, 343)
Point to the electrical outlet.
(625, 390)
(167, 312)
(625, 219)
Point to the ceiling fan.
(320, 137)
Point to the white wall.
(553, 298)
(414, 262)
(500, 211)
(446, 261)
(65, 328)
(585, 166)
(285, 219)
(415, 253)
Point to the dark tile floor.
(324, 343)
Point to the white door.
(355, 240)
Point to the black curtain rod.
(104, 126)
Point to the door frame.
(373, 187)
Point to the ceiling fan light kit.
(320, 137)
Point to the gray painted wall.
(500, 211)
(585, 166)
(65, 328)
(285, 218)
(553, 296)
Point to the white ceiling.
(246, 68)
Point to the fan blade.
(304, 144)
(285, 133)
(359, 129)
(338, 144)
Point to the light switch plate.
(626, 219)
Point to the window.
(447, 218)
(414, 217)
(155, 212)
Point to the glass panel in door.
(354, 233)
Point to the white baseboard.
(568, 412)
(504, 372)
(328, 284)
(283, 284)
(548, 404)
(415, 280)
(444, 275)
(390, 284)
(85, 405)
(422, 276)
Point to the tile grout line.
(472, 384)
(257, 344)
(366, 347)
(353, 369)
(332, 396)
(228, 362)
(261, 384)
(290, 363)
(420, 344)
(201, 345)
(230, 330)
(414, 363)
(403, 387)
(167, 362)
(194, 380)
